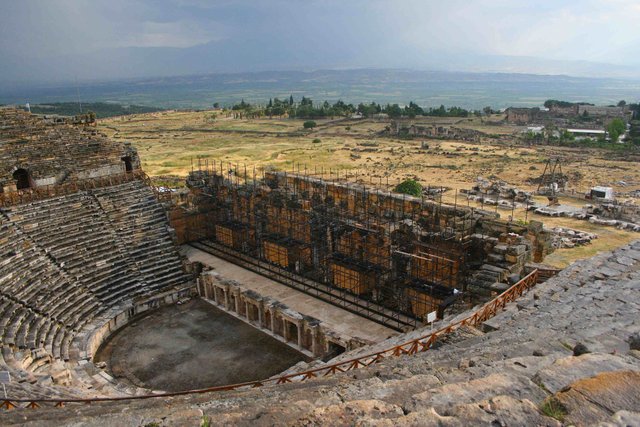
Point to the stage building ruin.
(391, 257)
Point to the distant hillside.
(102, 109)
(472, 91)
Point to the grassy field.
(168, 143)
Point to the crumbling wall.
(503, 249)
(52, 153)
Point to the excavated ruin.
(91, 248)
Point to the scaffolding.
(389, 257)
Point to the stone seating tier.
(67, 265)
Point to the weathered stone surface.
(624, 419)
(600, 396)
(565, 371)
(476, 390)
(350, 413)
(634, 341)
(499, 410)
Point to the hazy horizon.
(427, 88)
(52, 41)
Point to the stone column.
(206, 287)
(300, 334)
(260, 307)
(200, 285)
(227, 303)
(315, 342)
(273, 321)
(237, 301)
(285, 330)
(214, 290)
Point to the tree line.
(307, 109)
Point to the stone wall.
(51, 153)
(525, 116)
(409, 254)
(503, 250)
(304, 333)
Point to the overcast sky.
(96, 38)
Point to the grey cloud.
(56, 39)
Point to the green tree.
(309, 124)
(615, 129)
(410, 187)
(394, 111)
(369, 110)
(566, 136)
(622, 103)
(554, 102)
(413, 110)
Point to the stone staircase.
(67, 266)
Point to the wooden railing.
(411, 347)
(48, 191)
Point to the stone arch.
(22, 178)
(128, 163)
(267, 319)
(307, 339)
(291, 332)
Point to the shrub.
(309, 124)
(316, 141)
(553, 408)
(410, 187)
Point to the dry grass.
(167, 143)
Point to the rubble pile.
(621, 216)
(562, 237)
(498, 192)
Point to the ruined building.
(402, 257)
(37, 152)
(408, 128)
(565, 115)
(85, 246)
(525, 116)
